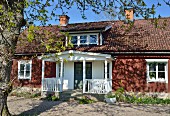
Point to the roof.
(142, 36)
(86, 26)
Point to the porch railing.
(98, 86)
(51, 84)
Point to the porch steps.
(77, 94)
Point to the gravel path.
(21, 106)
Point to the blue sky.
(75, 15)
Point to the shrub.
(119, 93)
(145, 100)
(51, 97)
(86, 100)
(110, 95)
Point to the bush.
(121, 96)
(51, 97)
(86, 100)
(119, 93)
(110, 95)
(145, 100)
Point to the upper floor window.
(157, 71)
(24, 69)
(84, 39)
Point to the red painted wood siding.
(35, 77)
(131, 74)
(50, 69)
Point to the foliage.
(121, 96)
(146, 100)
(119, 93)
(51, 97)
(86, 100)
(26, 94)
(110, 95)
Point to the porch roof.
(72, 55)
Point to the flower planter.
(110, 100)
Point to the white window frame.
(166, 70)
(24, 62)
(88, 39)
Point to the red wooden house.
(106, 55)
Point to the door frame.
(82, 71)
(74, 73)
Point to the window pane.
(161, 74)
(21, 73)
(22, 67)
(74, 40)
(152, 67)
(161, 66)
(93, 39)
(27, 67)
(152, 75)
(83, 39)
(27, 74)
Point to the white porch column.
(66, 41)
(84, 74)
(110, 78)
(43, 71)
(110, 70)
(105, 71)
(61, 74)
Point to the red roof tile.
(143, 36)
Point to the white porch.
(99, 81)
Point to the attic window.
(84, 39)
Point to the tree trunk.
(10, 25)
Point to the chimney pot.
(64, 19)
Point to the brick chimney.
(129, 14)
(64, 19)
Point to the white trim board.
(72, 55)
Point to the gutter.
(138, 53)
(112, 53)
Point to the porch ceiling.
(72, 55)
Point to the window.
(24, 69)
(157, 71)
(84, 39)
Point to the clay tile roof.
(143, 36)
(36, 46)
(86, 26)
